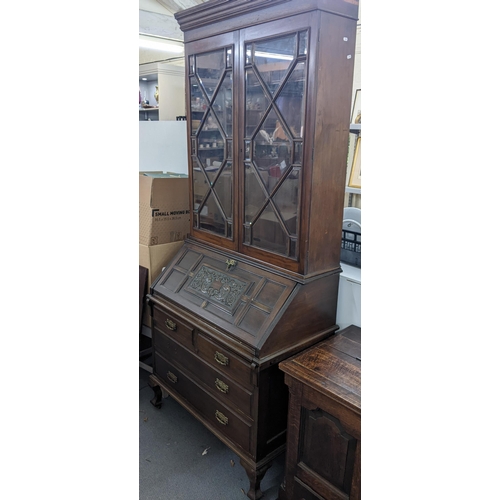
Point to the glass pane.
(255, 193)
(291, 100)
(229, 58)
(224, 190)
(297, 153)
(275, 88)
(273, 58)
(211, 217)
(272, 144)
(191, 65)
(209, 68)
(200, 188)
(212, 145)
(268, 233)
(293, 248)
(286, 200)
(223, 104)
(211, 149)
(303, 42)
(256, 102)
(198, 104)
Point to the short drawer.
(224, 360)
(219, 384)
(216, 414)
(172, 326)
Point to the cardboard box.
(154, 259)
(163, 208)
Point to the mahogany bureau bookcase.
(268, 94)
(323, 456)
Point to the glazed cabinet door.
(276, 70)
(210, 84)
(275, 84)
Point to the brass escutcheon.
(230, 263)
(221, 386)
(172, 377)
(171, 325)
(221, 417)
(221, 359)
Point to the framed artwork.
(350, 154)
(356, 108)
(355, 176)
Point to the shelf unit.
(170, 81)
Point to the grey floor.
(172, 465)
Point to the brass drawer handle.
(171, 325)
(172, 377)
(221, 386)
(221, 417)
(221, 359)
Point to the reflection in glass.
(257, 102)
(286, 200)
(273, 59)
(291, 100)
(275, 87)
(268, 233)
(209, 68)
(223, 104)
(211, 90)
(255, 193)
(211, 217)
(303, 43)
(224, 190)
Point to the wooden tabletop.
(332, 367)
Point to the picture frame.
(356, 108)
(351, 148)
(355, 175)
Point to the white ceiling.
(156, 18)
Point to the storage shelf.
(352, 190)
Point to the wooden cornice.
(257, 11)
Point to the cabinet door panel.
(275, 94)
(210, 104)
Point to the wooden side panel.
(333, 85)
(312, 310)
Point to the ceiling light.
(270, 55)
(157, 43)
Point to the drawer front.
(225, 361)
(174, 327)
(219, 416)
(219, 384)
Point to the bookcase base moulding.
(268, 92)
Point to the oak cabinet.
(268, 98)
(324, 420)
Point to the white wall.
(163, 146)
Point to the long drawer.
(219, 384)
(217, 414)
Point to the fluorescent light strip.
(157, 45)
(270, 55)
